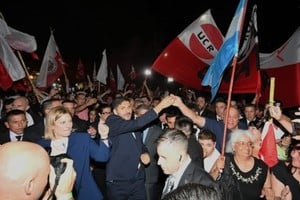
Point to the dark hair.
(13, 113)
(102, 106)
(184, 124)
(47, 103)
(118, 101)
(206, 134)
(173, 111)
(193, 191)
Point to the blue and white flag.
(229, 49)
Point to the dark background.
(135, 32)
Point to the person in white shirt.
(207, 139)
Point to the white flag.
(102, 72)
(120, 78)
(17, 39)
(52, 65)
(10, 68)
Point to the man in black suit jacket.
(15, 124)
(155, 178)
(174, 160)
(125, 168)
(36, 131)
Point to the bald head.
(24, 170)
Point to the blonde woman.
(59, 139)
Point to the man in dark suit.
(155, 178)
(175, 161)
(249, 114)
(15, 124)
(36, 131)
(202, 101)
(22, 103)
(125, 169)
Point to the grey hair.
(237, 134)
(173, 136)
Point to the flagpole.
(234, 63)
(37, 94)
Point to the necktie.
(18, 137)
(169, 186)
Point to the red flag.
(52, 65)
(284, 65)
(112, 82)
(10, 67)
(268, 151)
(22, 85)
(80, 72)
(191, 51)
(133, 74)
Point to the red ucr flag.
(268, 151)
(52, 65)
(191, 52)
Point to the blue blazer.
(126, 148)
(81, 148)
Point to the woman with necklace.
(249, 174)
(60, 139)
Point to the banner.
(284, 65)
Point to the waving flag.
(10, 68)
(121, 80)
(112, 81)
(191, 51)
(228, 50)
(52, 65)
(132, 74)
(247, 78)
(268, 150)
(284, 65)
(102, 72)
(17, 39)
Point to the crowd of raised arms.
(140, 144)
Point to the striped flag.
(228, 50)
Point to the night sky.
(135, 32)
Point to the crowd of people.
(147, 146)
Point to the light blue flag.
(214, 74)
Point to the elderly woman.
(78, 146)
(286, 175)
(248, 175)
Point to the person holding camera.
(80, 147)
(24, 171)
